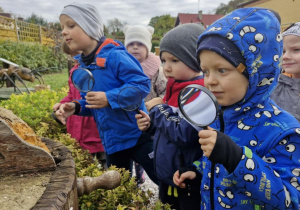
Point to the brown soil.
(23, 191)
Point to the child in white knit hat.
(286, 93)
(138, 43)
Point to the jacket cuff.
(226, 152)
(77, 107)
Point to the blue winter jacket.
(268, 174)
(114, 69)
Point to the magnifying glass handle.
(55, 118)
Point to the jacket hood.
(256, 32)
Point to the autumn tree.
(162, 24)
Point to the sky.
(127, 11)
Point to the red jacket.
(83, 129)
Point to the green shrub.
(35, 108)
(32, 55)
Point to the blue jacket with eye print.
(268, 174)
(114, 69)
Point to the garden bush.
(32, 55)
(35, 109)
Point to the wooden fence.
(20, 31)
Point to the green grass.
(55, 80)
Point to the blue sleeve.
(84, 111)
(176, 128)
(129, 71)
(274, 179)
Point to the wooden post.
(40, 34)
(16, 29)
(157, 50)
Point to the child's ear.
(126, 27)
(150, 29)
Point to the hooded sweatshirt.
(268, 173)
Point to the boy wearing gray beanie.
(113, 69)
(170, 130)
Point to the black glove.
(191, 184)
(226, 152)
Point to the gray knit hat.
(87, 17)
(181, 42)
(293, 29)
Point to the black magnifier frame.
(55, 118)
(130, 99)
(198, 89)
(83, 80)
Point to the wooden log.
(18, 156)
(61, 191)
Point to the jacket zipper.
(154, 162)
(212, 178)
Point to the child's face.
(222, 78)
(138, 50)
(291, 55)
(75, 37)
(175, 68)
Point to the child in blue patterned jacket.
(252, 150)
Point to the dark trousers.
(180, 199)
(142, 153)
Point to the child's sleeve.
(272, 180)
(177, 129)
(83, 110)
(129, 73)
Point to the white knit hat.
(138, 33)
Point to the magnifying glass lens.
(83, 80)
(198, 105)
(129, 99)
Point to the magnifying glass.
(83, 80)
(130, 99)
(198, 105)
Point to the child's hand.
(153, 102)
(207, 140)
(64, 111)
(179, 179)
(96, 100)
(142, 120)
(56, 106)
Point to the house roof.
(207, 19)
